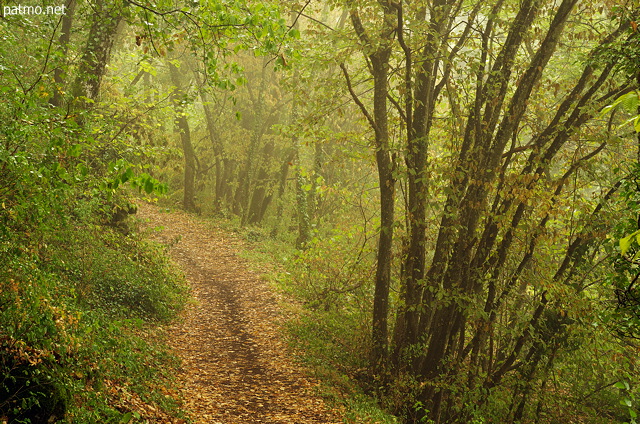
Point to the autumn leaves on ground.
(235, 365)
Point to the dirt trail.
(236, 368)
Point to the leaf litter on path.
(236, 368)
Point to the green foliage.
(630, 103)
(117, 273)
(624, 53)
(64, 353)
(333, 273)
(216, 30)
(30, 344)
(123, 172)
(628, 400)
(81, 294)
(625, 267)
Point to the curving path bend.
(236, 368)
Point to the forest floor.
(236, 367)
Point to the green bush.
(123, 274)
(79, 307)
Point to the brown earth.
(236, 367)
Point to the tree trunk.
(282, 186)
(59, 73)
(254, 144)
(216, 143)
(188, 199)
(302, 202)
(420, 99)
(379, 122)
(260, 191)
(96, 53)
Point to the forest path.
(235, 365)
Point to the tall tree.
(377, 49)
(489, 230)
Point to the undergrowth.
(82, 307)
(328, 302)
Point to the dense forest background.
(451, 187)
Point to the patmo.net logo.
(29, 10)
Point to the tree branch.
(357, 100)
(359, 28)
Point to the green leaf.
(630, 101)
(148, 186)
(625, 242)
(127, 175)
(632, 120)
(82, 169)
(294, 33)
(75, 150)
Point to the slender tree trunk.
(379, 122)
(65, 35)
(260, 191)
(282, 186)
(228, 169)
(256, 137)
(386, 182)
(420, 106)
(188, 199)
(218, 152)
(316, 178)
(216, 142)
(302, 202)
